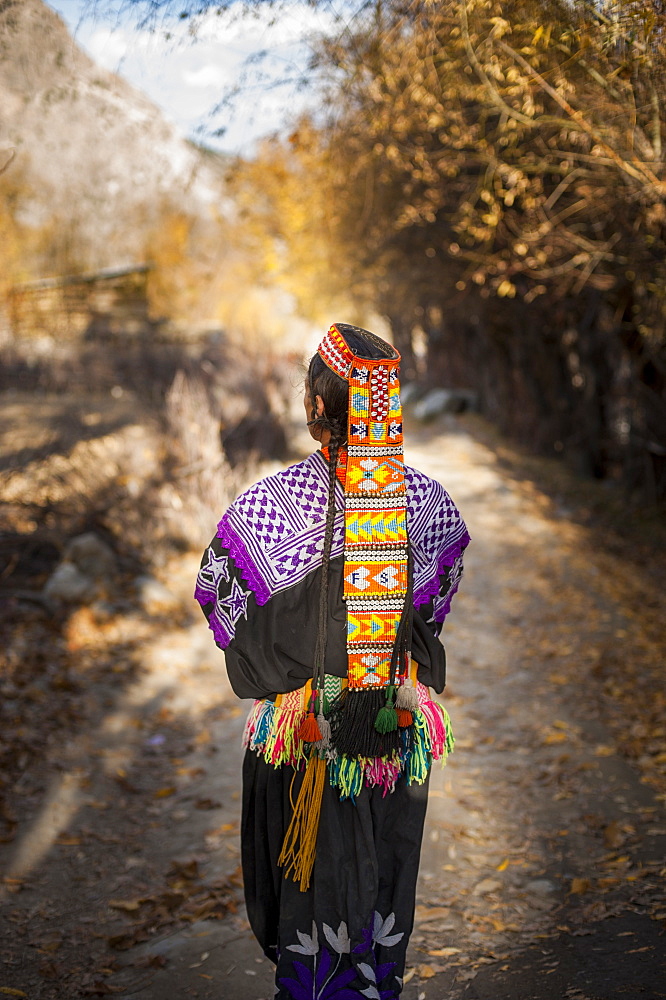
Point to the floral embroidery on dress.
(324, 981)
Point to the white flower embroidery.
(367, 971)
(309, 943)
(381, 933)
(339, 942)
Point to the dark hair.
(334, 391)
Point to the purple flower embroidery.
(366, 943)
(315, 986)
(324, 982)
(375, 975)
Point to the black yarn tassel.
(335, 709)
(352, 720)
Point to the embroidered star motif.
(236, 602)
(216, 568)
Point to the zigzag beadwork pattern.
(337, 355)
(274, 532)
(366, 627)
(377, 527)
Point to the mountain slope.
(93, 156)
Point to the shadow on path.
(542, 868)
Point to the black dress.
(346, 936)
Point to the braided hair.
(334, 391)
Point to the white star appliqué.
(217, 567)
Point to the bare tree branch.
(643, 173)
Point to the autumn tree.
(492, 173)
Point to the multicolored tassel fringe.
(275, 730)
(411, 731)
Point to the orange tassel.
(310, 731)
(405, 718)
(300, 841)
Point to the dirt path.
(539, 832)
(542, 870)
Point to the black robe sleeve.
(269, 648)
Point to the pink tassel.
(436, 728)
(252, 723)
(283, 745)
(384, 772)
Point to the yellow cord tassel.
(300, 840)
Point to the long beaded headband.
(376, 551)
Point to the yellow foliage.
(18, 242)
(482, 122)
(33, 242)
(291, 229)
(173, 279)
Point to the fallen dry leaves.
(185, 899)
(59, 673)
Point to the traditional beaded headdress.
(377, 576)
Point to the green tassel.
(419, 761)
(387, 717)
(346, 774)
(450, 741)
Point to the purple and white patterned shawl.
(274, 532)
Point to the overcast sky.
(187, 78)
